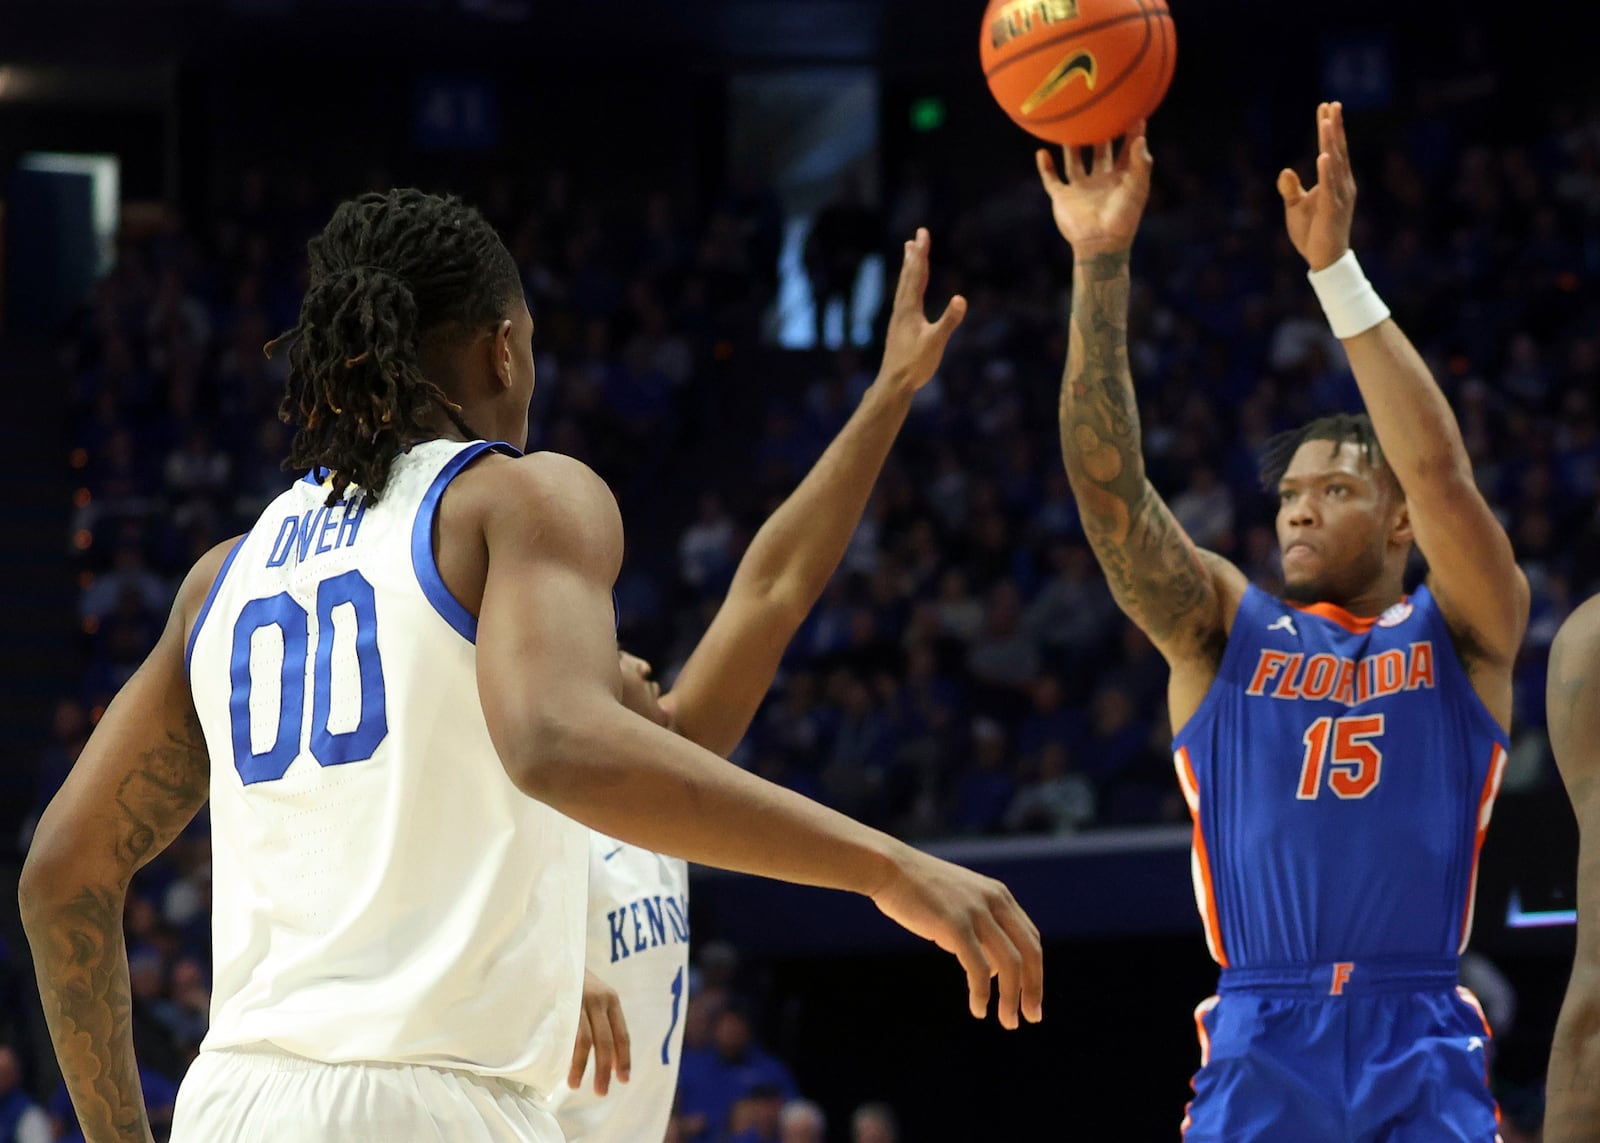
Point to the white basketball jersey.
(382, 890)
(639, 945)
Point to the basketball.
(1078, 72)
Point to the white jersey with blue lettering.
(639, 945)
(383, 892)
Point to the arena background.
(655, 166)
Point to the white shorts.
(259, 1095)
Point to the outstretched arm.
(140, 780)
(798, 549)
(1471, 568)
(1181, 597)
(549, 679)
(1572, 1110)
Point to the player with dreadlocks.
(1340, 747)
(402, 694)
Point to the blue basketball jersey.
(1341, 773)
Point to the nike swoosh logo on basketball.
(1078, 63)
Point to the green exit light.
(927, 113)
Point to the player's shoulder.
(544, 498)
(203, 576)
(537, 479)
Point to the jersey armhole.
(211, 597)
(1446, 643)
(1244, 614)
(423, 563)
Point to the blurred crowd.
(966, 671)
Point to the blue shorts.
(1364, 1052)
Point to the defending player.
(1340, 749)
(407, 675)
(638, 908)
(1572, 1088)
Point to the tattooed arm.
(141, 778)
(1183, 598)
(1572, 1108)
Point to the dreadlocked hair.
(1337, 430)
(391, 276)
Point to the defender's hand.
(601, 1029)
(1098, 209)
(1319, 219)
(913, 346)
(976, 919)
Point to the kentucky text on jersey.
(1348, 682)
(648, 923)
(319, 530)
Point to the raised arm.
(1572, 1107)
(1183, 598)
(549, 679)
(142, 777)
(798, 549)
(1471, 568)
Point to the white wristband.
(1352, 305)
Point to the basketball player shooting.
(634, 1006)
(407, 676)
(1340, 748)
(1572, 704)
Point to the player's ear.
(1400, 520)
(501, 352)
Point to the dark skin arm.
(779, 580)
(1572, 1107)
(1472, 569)
(1182, 597)
(141, 779)
(796, 552)
(550, 683)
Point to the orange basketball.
(1078, 72)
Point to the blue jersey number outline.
(677, 999)
(285, 613)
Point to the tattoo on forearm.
(1153, 570)
(80, 955)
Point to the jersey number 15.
(1342, 748)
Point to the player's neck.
(1377, 599)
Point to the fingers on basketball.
(1047, 170)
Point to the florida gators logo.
(1396, 615)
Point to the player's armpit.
(1572, 1113)
(140, 780)
(1156, 573)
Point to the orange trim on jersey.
(1355, 624)
(1491, 790)
(1202, 860)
